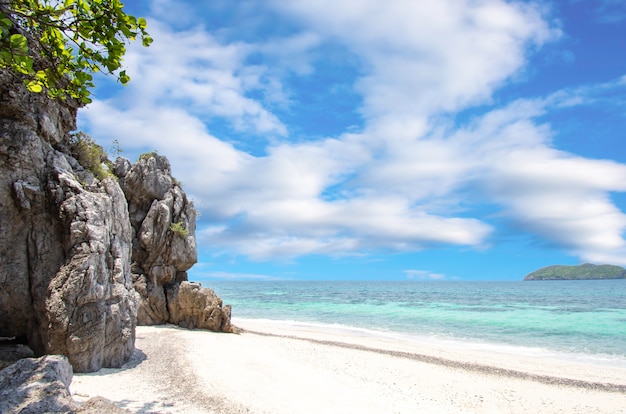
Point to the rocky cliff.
(80, 261)
(65, 284)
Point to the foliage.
(90, 155)
(582, 272)
(179, 229)
(58, 44)
(147, 155)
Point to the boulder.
(41, 385)
(163, 220)
(192, 306)
(37, 385)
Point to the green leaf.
(75, 38)
(23, 64)
(124, 78)
(18, 41)
(5, 25)
(34, 86)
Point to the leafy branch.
(58, 44)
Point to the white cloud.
(173, 132)
(565, 199)
(191, 69)
(288, 228)
(237, 276)
(403, 183)
(428, 56)
(423, 275)
(557, 196)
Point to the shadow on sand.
(135, 360)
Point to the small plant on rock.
(179, 229)
(90, 155)
(148, 155)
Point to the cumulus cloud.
(428, 56)
(404, 181)
(191, 69)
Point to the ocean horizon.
(584, 320)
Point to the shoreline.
(487, 369)
(538, 362)
(274, 368)
(461, 344)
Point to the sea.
(583, 320)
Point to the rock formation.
(164, 248)
(163, 220)
(65, 284)
(81, 265)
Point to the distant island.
(585, 271)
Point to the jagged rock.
(192, 306)
(65, 282)
(147, 180)
(46, 117)
(91, 305)
(41, 385)
(164, 248)
(80, 264)
(37, 385)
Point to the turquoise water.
(587, 317)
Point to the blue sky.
(387, 140)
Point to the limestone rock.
(80, 264)
(91, 305)
(46, 117)
(65, 281)
(192, 306)
(37, 385)
(41, 385)
(164, 248)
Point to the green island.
(585, 271)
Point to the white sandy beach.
(278, 368)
